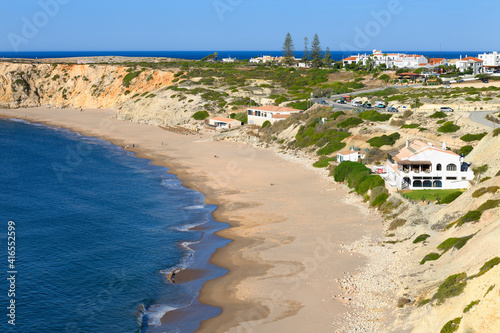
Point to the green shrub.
(451, 197)
(369, 182)
(337, 114)
(423, 302)
(488, 265)
(331, 147)
(384, 140)
(373, 115)
(470, 216)
(324, 162)
(471, 304)
(129, 77)
(448, 127)
(266, 123)
(421, 238)
(201, 115)
(430, 257)
(410, 126)
(380, 199)
(345, 168)
(452, 286)
(465, 150)
(473, 137)
(490, 204)
(451, 326)
(489, 289)
(438, 114)
(350, 122)
(442, 121)
(496, 132)
(454, 242)
(484, 179)
(484, 190)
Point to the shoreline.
(277, 262)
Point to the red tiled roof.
(226, 120)
(473, 59)
(434, 61)
(350, 58)
(273, 108)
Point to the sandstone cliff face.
(79, 86)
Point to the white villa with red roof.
(421, 165)
(259, 114)
(467, 63)
(399, 60)
(222, 123)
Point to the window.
(451, 178)
(437, 183)
(257, 113)
(427, 183)
(451, 167)
(438, 167)
(417, 183)
(250, 112)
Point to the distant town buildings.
(491, 61)
(258, 115)
(390, 60)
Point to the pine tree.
(305, 57)
(316, 51)
(288, 49)
(328, 57)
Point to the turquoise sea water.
(97, 232)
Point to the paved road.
(479, 117)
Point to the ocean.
(97, 231)
(197, 55)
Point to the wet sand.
(285, 253)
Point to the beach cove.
(288, 222)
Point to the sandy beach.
(288, 222)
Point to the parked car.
(391, 109)
(357, 103)
(446, 109)
(379, 104)
(484, 80)
(341, 101)
(323, 102)
(367, 105)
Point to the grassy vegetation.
(454, 242)
(448, 127)
(489, 289)
(451, 326)
(421, 238)
(324, 162)
(337, 114)
(201, 115)
(358, 177)
(488, 265)
(490, 204)
(384, 140)
(410, 126)
(483, 190)
(129, 77)
(496, 132)
(465, 150)
(372, 115)
(452, 286)
(470, 216)
(332, 146)
(430, 257)
(451, 197)
(471, 305)
(428, 195)
(350, 122)
(473, 137)
(438, 114)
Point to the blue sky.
(166, 25)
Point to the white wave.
(195, 207)
(172, 184)
(189, 226)
(19, 121)
(156, 312)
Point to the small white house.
(421, 165)
(229, 59)
(221, 123)
(350, 155)
(467, 63)
(259, 114)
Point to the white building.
(260, 114)
(229, 59)
(221, 123)
(491, 61)
(349, 155)
(470, 63)
(421, 165)
(390, 60)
